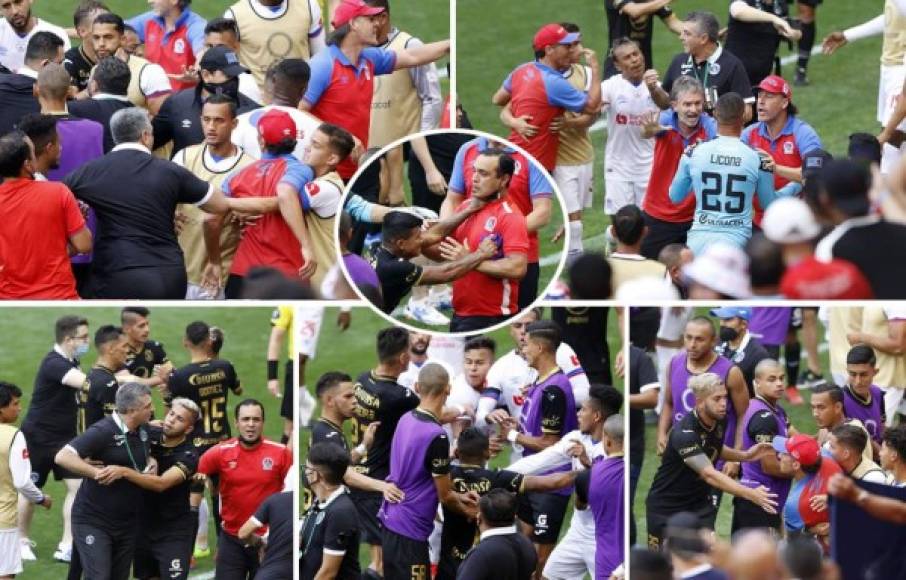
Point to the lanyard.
(128, 449)
(310, 526)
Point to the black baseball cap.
(847, 183)
(864, 147)
(813, 164)
(223, 59)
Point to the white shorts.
(893, 398)
(573, 557)
(889, 88)
(621, 193)
(575, 183)
(308, 326)
(10, 555)
(196, 292)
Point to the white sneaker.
(25, 549)
(441, 299)
(306, 407)
(423, 312)
(63, 553)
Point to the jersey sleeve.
(340, 530)
(160, 355)
(508, 480)
(740, 84)
(187, 463)
(195, 34)
(153, 81)
(508, 83)
(191, 188)
(317, 20)
(321, 69)
(583, 484)
(682, 181)
(209, 463)
(296, 176)
(91, 442)
(806, 139)
(762, 427)
(561, 93)
(764, 188)
(263, 513)
(384, 61)
(437, 459)
(515, 234)
(539, 186)
(72, 215)
(685, 442)
(399, 273)
(321, 197)
(139, 22)
(457, 182)
(553, 410)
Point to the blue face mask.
(80, 350)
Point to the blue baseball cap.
(732, 312)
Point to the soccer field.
(800, 416)
(353, 351)
(841, 99)
(28, 335)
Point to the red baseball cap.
(275, 125)
(553, 33)
(349, 9)
(802, 448)
(776, 84)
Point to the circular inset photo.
(451, 231)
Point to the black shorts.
(42, 462)
(657, 522)
(545, 512)
(661, 234)
(749, 515)
(368, 504)
(165, 554)
(155, 283)
(528, 286)
(405, 558)
(286, 405)
(234, 560)
(474, 323)
(105, 552)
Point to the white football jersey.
(12, 46)
(627, 156)
(246, 133)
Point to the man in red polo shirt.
(42, 220)
(173, 37)
(279, 240)
(250, 469)
(489, 293)
(675, 129)
(530, 191)
(780, 133)
(340, 92)
(538, 93)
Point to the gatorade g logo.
(175, 568)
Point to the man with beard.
(737, 344)
(764, 420)
(418, 357)
(100, 399)
(149, 86)
(828, 411)
(165, 548)
(251, 469)
(79, 60)
(686, 475)
(145, 358)
(16, 29)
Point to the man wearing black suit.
(502, 553)
(17, 89)
(108, 87)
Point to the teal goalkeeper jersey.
(726, 175)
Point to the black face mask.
(728, 334)
(229, 88)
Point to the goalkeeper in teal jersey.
(725, 174)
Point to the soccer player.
(165, 545)
(754, 32)
(106, 518)
(34, 245)
(281, 325)
(537, 92)
(100, 399)
(530, 191)
(18, 479)
(725, 175)
(626, 263)
(146, 358)
(212, 160)
(805, 12)
(330, 532)
(250, 469)
(277, 513)
(338, 93)
(627, 99)
(173, 37)
(502, 552)
(862, 399)
(420, 467)
(698, 357)
(548, 414)
(635, 21)
(468, 386)
(149, 86)
(686, 477)
(827, 410)
(284, 84)
(407, 101)
(265, 38)
(17, 27)
(605, 492)
(764, 420)
(51, 421)
(79, 60)
(846, 445)
(674, 130)
(737, 342)
(490, 293)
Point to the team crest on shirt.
(231, 465)
(89, 539)
(179, 47)
(149, 356)
(267, 464)
(490, 224)
(312, 188)
(788, 148)
(714, 69)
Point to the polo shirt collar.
(337, 493)
(61, 352)
(636, 257)
(119, 421)
(179, 21)
(545, 68)
(338, 55)
(266, 155)
(711, 59)
(498, 532)
(484, 144)
(131, 147)
(28, 72)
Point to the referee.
(685, 478)
(134, 196)
(105, 518)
